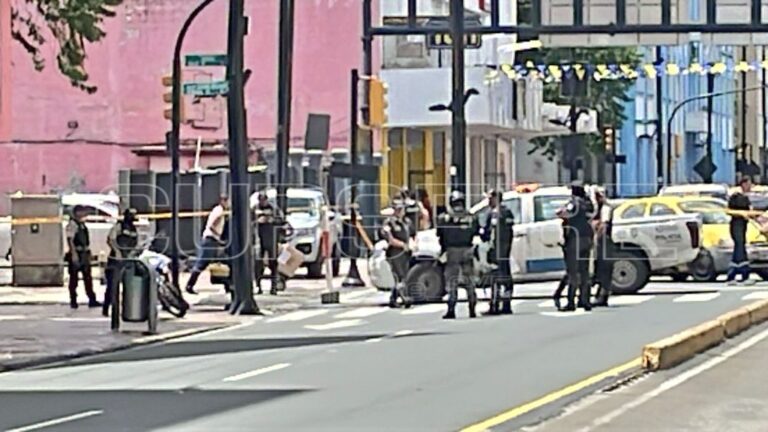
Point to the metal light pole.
(240, 228)
(458, 130)
(659, 134)
(173, 138)
(353, 278)
(284, 94)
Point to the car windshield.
(712, 213)
(545, 207)
(512, 205)
(307, 206)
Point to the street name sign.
(205, 60)
(206, 89)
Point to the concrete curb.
(676, 349)
(133, 343)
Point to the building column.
(384, 169)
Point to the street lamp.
(443, 107)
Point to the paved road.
(355, 368)
(724, 390)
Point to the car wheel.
(336, 263)
(424, 283)
(703, 268)
(679, 277)
(315, 269)
(630, 272)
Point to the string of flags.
(598, 72)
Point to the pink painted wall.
(63, 133)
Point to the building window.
(492, 177)
(410, 47)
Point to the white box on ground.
(289, 260)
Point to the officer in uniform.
(123, 243)
(78, 257)
(604, 248)
(456, 229)
(412, 210)
(497, 229)
(396, 230)
(576, 215)
(270, 222)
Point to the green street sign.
(206, 89)
(205, 60)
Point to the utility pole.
(659, 133)
(710, 102)
(353, 278)
(284, 95)
(240, 226)
(173, 138)
(458, 130)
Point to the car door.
(669, 236)
(545, 236)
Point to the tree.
(607, 97)
(72, 24)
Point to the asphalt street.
(358, 367)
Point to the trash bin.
(135, 294)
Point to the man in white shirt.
(211, 243)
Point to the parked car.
(102, 211)
(304, 211)
(717, 247)
(714, 190)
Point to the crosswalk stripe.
(425, 309)
(700, 297)
(577, 312)
(354, 295)
(757, 295)
(629, 300)
(547, 304)
(336, 325)
(298, 315)
(361, 312)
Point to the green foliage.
(72, 24)
(607, 97)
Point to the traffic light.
(168, 98)
(608, 139)
(378, 103)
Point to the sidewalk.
(37, 325)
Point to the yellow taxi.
(716, 243)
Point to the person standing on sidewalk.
(270, 225)
(603, 224)
(123, 243)
(396, 231)
(576, 215)
(497, 229)
(212, 241)
(78, 257)
(739, 205)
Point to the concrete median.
(676, 349)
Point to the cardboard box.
(289, 260)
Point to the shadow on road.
(134, 410)
(222, 346)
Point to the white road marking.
(361, 312)
(298, 315)
(558, 314)
(374, 340)
(58, 421)
(402, 333)
(547, 304)
(336, 325)
(12, 317)
(757, 295)
(77, 319)
(257, 372)
(629, 300)
(676, 381)
(701, 297)
(357, 294)
(425, 309)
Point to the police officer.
(576, 215)
(270, 222)
(603, 225)
(396, 230)
(123, 241)
(78, 257)
(456, 229)
(497, 229)
(739, 204)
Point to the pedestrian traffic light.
(608, 139)
(378, 104)
(167, 82)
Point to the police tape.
(17, 221)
